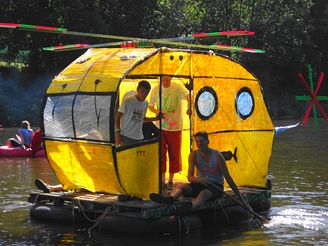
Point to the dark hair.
(145, 84)
(202, 134)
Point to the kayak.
(5, 151)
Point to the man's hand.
(159, 116)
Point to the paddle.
(242, 205)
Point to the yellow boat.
(78, 124)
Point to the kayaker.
(24, 136)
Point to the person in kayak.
(24, 136)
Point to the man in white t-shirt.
(172, 125)
(131, 115)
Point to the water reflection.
(303, 224)
(313, 217)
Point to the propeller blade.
(238, 49)
(35, 28)
(203, 35)
(65, 47)
(218, 34)
(69, 47)
(210, 47)
(122, 44)
(64, 31)
(8, 25)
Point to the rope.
(224, 212)
(248, 212)
(98, 220)
(36, 198)
(95, 221)
(73, 214)
(179, 224)
(187, 224)
(108, 208)
(81, 208)
(215, 215)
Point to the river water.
(299, 213)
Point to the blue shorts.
(197, 188)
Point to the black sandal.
(158, 198)
(42, 186)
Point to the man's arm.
(152, 100)
(153, 109)
(185, 94)
(191, 167)
(229, 179)
(188, 106)
(150, 119)
(118, 137)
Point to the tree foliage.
(293, 32)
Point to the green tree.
(170, 18)
(100, 16)
(316, 46)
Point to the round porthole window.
(244, 103)
(206, 103)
